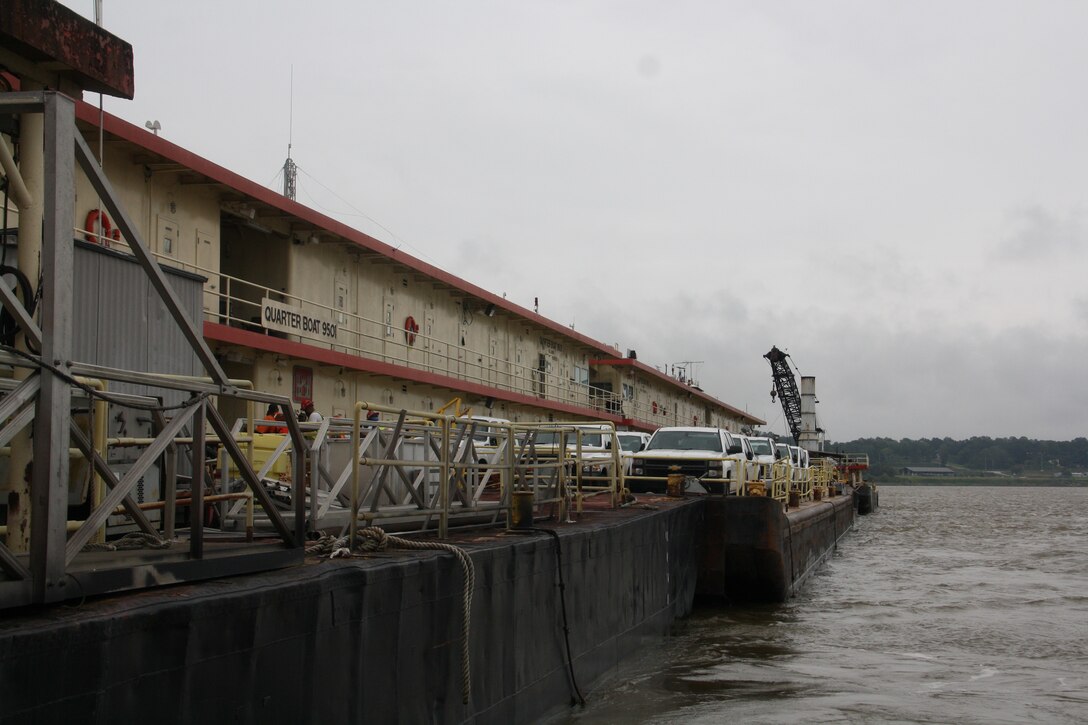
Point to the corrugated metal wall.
(119, 320)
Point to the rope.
(128, 542)
(372, 539)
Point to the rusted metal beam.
(56, 46)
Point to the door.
(436, 349)
(208, 265)
(542, 375)
(393, 332)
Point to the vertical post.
(100, 409)
(170, 492)
(356, 442)
(315, 475)
(444, 475)
(30, 234)
(322, 458)
(170, 489)
(196, 510)
(506, 475)
(49, 485)
(298, 487)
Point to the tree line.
(1018, 456)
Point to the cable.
(580, 699)
(9, 328)
(359, 212)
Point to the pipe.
(69, 526)
(100, 413)
(187, 501)
(19, 193)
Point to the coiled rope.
(373, 538)
(134, 540)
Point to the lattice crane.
(785, 387)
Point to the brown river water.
(949, 605)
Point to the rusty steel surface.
(46, 32)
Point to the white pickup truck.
(631, 442)
(765, 455)
(711, 455)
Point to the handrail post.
(444, 475)
(196, 493)
(356, 442)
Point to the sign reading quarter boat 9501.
(285, 318)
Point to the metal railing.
(237, 302)
(802, 483)
(779, 482)
(414, 471)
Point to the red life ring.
(411, 329)
(655, 407)
(108, 232)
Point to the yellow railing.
(823, 477)
(779, 488)
(588, 470)
(802, 483)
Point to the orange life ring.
(411, 329)
(108, 232)
(655, 407)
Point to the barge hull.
(378, 639)
(375, 639)
(755, 552)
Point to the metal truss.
(62, 561)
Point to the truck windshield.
(630, 444)
(551, 438)
(685, 440)
(761, 447)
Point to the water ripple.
(948, 605)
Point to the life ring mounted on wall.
(411, 329)
(108, 232)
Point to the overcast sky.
(894, 193)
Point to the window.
(581, 375)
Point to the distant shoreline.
(1017, 483)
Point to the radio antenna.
(290, 171)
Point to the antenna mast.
(290, 171)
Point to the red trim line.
(255, 340)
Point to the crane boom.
(785, 386)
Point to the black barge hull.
(378, 639)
